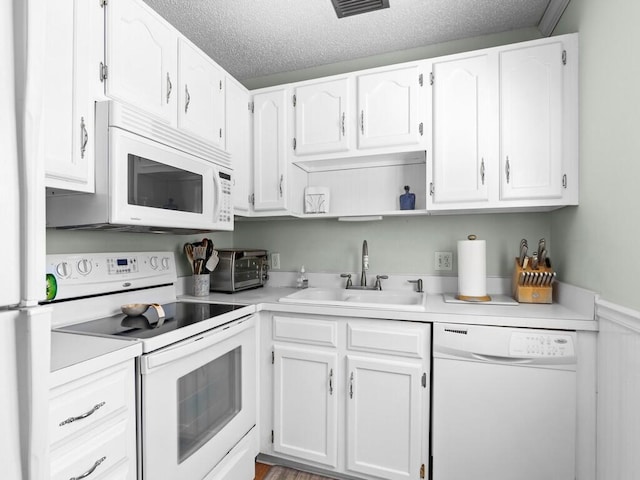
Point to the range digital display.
(122, 262)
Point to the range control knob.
(165, 263)
(84, 266)
(63, 269)
(153, 261)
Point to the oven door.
(198, 400)
(155, 185)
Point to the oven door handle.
(194, 345)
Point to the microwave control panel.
(226, 207)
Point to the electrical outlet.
(275, 261)
(444, 261)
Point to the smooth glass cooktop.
(148, 325)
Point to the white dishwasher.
(504, 403)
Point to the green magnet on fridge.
(52, 286)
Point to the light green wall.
(595, 241)
(396, 244)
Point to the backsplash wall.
(396, 244)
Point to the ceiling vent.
(347, 8)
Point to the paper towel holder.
(468, 298)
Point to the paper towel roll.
(472, 270)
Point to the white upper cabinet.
(321, 117)
(505, 128)
(201, 94)
(74, 33)
(269, 150)
(141, 59)
(389, 108)
(150, 65)
(464, 131)
(531, 129)
(238, 130)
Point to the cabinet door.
(321, 112)
(384, 417)
(464, 131)
(68, 94)
(238, 132)
(388, 108)
(269, 154)
(141, 56)
(305, 404)
(531, 130)
(201, 105)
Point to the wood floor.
(261, 470)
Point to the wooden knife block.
(530, 293)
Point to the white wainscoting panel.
(618, 424)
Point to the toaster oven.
(239, 269)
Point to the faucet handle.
(378, 285)
(348, 277)
(418, 282)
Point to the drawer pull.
(91, 470)
(84, 415)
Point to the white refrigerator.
(24, 325)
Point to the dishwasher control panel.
(541, 345)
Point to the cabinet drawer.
(99, 451)
(84, 402)
(408, 341)
(305, 330)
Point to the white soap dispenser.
(303, 281)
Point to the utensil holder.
(531, 293)
(200, 285)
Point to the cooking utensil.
(188, 250)
(534, 261)
(213, 260)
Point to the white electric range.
(196, 399)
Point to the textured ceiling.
(253, 38)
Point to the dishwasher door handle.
(500, 359)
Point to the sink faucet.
(365, 264)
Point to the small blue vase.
(407, 200)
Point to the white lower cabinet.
(305, 396)
(93, 426)
(349, 395)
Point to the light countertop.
(565, 316)
(74, 355)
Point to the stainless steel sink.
(380, 299)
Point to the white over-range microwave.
(149, 177)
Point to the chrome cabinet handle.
(91, 470)
(331, 382)
(187, 98)
(343, 115)
(169, 87)
(351, 386)
(85, 137)
(508, 170)
(281, 180)
(84, 415)
(362, 121)
(482, 171)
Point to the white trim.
(551, 16)
(619, 315)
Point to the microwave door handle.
(218, 187)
